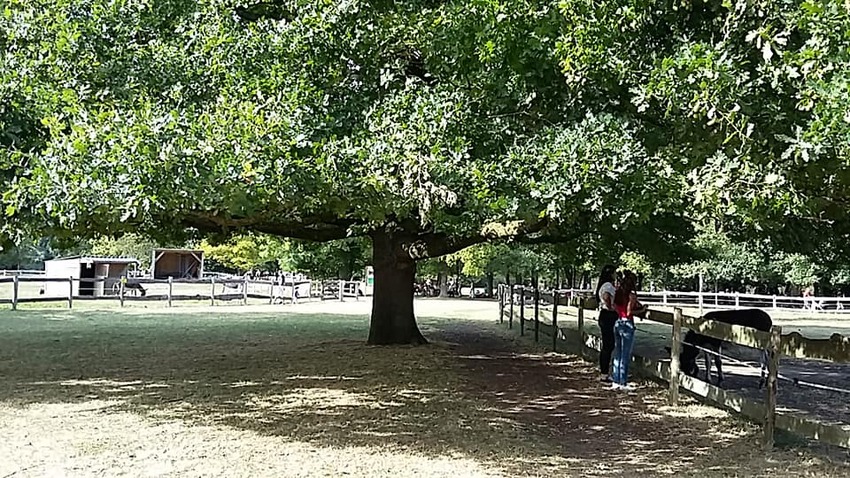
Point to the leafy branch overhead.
(315, 121)
(460, 120)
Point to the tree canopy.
(312, 123)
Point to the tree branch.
(314, 228)
(542, 231)
(269, 9)
(434, 244)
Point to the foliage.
(636, 263)
(751, 95)
(342, 259)
(28, 254)
(721, 259)
(127, 245)
(248, 252)
(340, 119)
(797, 269)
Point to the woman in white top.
(605, 291)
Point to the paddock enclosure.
(115, 287)
(808, 386)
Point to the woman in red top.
(626, 305)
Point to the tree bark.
(490, 280)
(393, 321)
(443, 281)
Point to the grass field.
(294, 391)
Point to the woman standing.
(626, 305)
(605, 291)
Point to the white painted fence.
(724, 300)
(121, 289)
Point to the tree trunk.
(490, 281)
(393, 321)
(443, 280)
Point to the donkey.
(754, 318)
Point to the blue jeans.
(624, 341)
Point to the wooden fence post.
(772, 376)
(212, 290)
(522, 310)
(511, 317)
(675, 350)
(71, 292)
(536, 312)
(737, 300)
(664, 297)
(170, 289)
(581, 327)
(271, 290)
(774, 302)
(121, 286)
(555, 297)
(292, 294)
(245, 290)
(15, 292)
(341, 289)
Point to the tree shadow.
(473, 392)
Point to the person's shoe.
(629, 387)
(606, 379)
(615, 386)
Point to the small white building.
(111, 269)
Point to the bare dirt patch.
(293, 391)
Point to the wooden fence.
(735, 300)
(776, 345)
(123, 290)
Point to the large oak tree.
(427, 126)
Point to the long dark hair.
(627, 285)
(607, 275)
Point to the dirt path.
(603, 432)
(828, 406)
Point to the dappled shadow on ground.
(605, 432)
(475, 392)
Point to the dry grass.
(293, 391)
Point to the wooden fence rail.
(773, 342)
(835, 349)
(117, 288)
(733, 300)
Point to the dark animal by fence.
(135, 287)
(754, 318)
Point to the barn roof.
(99, 259)
(185, 251)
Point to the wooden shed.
(177, 263)
(111, 269)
